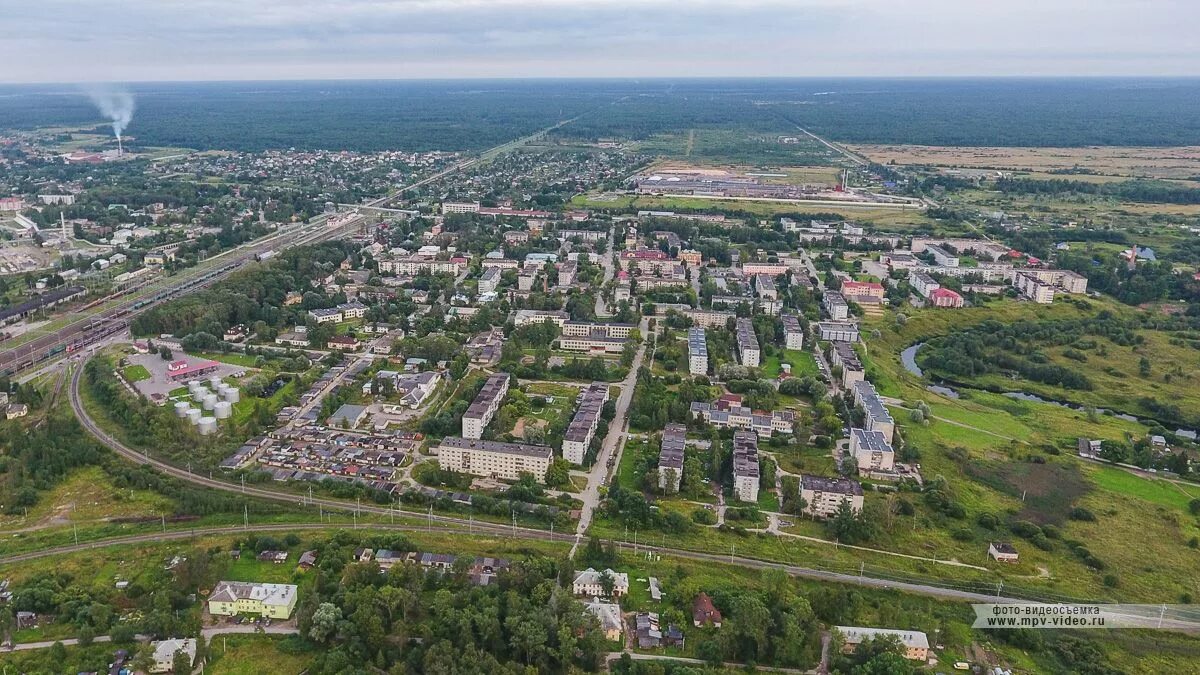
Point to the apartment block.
(871, 451)
(745, 466)
(842, 354)
(527, 316)
(877, 416)
(460, 207)
(862, 289)
(835, 306)
(697, 352)
(1033, 288)
(922, 283)
(670, 456)
(485, 405)
(824, 496)
(764, 287)
(728, 412)
(584, 329)
(914, 642)
(837, 331)
(581, 430)
(749, 351)
(941, 256)
(709, 318)
(770, 269)
(493, 459)
(230, 598)
(489, 280)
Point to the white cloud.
(80, 40)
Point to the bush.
(1111, 580)
(988, 521)
(963, 534)
(704, 517)
(1025, 529)
(1080, 513)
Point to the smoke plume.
(115, 104)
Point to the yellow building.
(231, 598)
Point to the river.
(908, 358)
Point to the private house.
(704, 613)
(165, 651)
(608, 615)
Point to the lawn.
(1157, 491)
(135, 373)
(232, 358)
(256, 654)
(803, 363)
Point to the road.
(609, 457)
(606, 261)
(208, 633)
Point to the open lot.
(1179, 162)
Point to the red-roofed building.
(944, 297)
(862, 289)
(704, 613)
(179, 371)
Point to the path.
(208, 634)
(898, 403)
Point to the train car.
(265, 255)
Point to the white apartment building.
(489, 280)
(824, 496)
(749, 351)
(612, 330)
(922, 283)
(793, 335)
(697, 352)
(493, 459)
(941, 256)
(330, 315)
(485, 405)
(1033, 288)
(745, 466)
(709, 318)
(670, 456)
(764, 287)
(835, 306)
(526, 316)
(589, 582)
(460, 207)
(877, 416)
(837, 331)
(871, 451)
(581, 430)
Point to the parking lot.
(160, 385)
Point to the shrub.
(1080, 513)
(963, 534)
(1111, 580)
(988, 521)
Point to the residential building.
(764, 287)
(1033, 288)
(871, 451)
(914, 642)
(649, 634)
(417, 264)
(608, 615)
(835, 305)
(745, 466)
(941, 256)
(770, 269)
(589, 582)
(853, 290)
(980, 247)
(645, 260)
(922, 283)
(697, 352)
(1002, 552)
(691, 257)
(747, 344)
(597, 344)
(824, 496)
(566, 272)
(843, 355)
(670, 456)
(709, 318)
(165, 651)
(944, 297)
(578, 436)
(460, 207)
(877, 417)
(493, 459)
(704, 612)
(837, 331)
(485, 405)
(489, 280)
(230, 598)
(793, 335)
(587, 236)
(612, 330)
(329, 315)
(352, 310)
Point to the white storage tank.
(231, 394)
(193, 415)
(223, 409)
(208, 425)
(181, 408)
(195, 386)
(199, 394)
(209, 401)
(216, 382)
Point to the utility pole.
(243, 483)
(75, 527)
(999, 587)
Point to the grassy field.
(894, 218)
(88, 495)
(1113, 161)
(135, 373)
(254, 655)
(803, 363)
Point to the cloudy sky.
(135, 40)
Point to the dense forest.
(445, 115)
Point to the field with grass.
(255, 654)
(1177, 162)
(87, 495)
(893, 218)
(803, 363)
(135, 373)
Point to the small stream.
(908, 358)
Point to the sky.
(165, 40)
